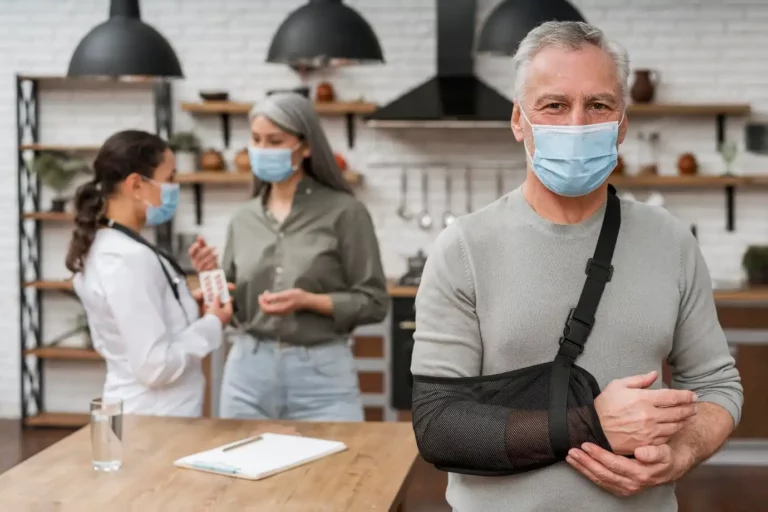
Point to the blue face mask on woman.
(169, 197)
(573, 161)
(272, 165)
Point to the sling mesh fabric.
(499, 424)
(525, 419)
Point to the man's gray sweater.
(494, 297)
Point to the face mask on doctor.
(169, 198)
(573, 161)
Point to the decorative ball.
(340, 161)
(325, 93)
(212, 160)
(687, 164)
(243, 161)
(619, 169)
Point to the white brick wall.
(705, 50)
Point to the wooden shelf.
(214, 178)
(66, 285)
(49, 216)
(727, 183)
(238, 178)
(242, 108)
(63, 148)
(349, 109)
(682, 109)
(359, 108)
(755, 294)
(92, 80)
(65, 353)
(700, 181)
(58, 419)
(232, 178)
(50, 285)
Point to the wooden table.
(371, 475)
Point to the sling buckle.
(598, 271)
(575, 333)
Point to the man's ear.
(623, 129)
(515, 122)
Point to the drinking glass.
(107, 433)
(728, 151)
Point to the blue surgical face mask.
(272, 165)
(169, 197)
(573, 161)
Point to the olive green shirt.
(326, 245)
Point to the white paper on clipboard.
(261, 456)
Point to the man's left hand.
(652, 466)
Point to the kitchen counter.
(755, 294)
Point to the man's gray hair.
(571, 35)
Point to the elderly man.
(500, 283)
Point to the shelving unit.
(720, 113)
(30, 218)
(350, 110)
(225, 109)
(231, 178)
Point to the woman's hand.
(198, 296)
(203, 256)
(295, 299)
(222, 311)
(284, 302)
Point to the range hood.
(455, 97)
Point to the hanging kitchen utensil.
(468, 187)
(448, 216)
(424, 219)
(402, 211)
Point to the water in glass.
(107, 434)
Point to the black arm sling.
(526, 419)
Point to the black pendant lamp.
(324, 33)
(124, 46)
(511, 20)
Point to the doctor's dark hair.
(122, 154)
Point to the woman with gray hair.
(305, 261)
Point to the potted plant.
(57, 171)
(755, 263)
(81, 325)
(186, 146)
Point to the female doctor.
(143, 318)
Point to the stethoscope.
(173, 281)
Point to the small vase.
(644, 86)
(757, 276)
(59, 205)
(186, 162)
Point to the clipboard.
(261, 456)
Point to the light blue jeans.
(273, 380)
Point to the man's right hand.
(203, 256)
(632, 416)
